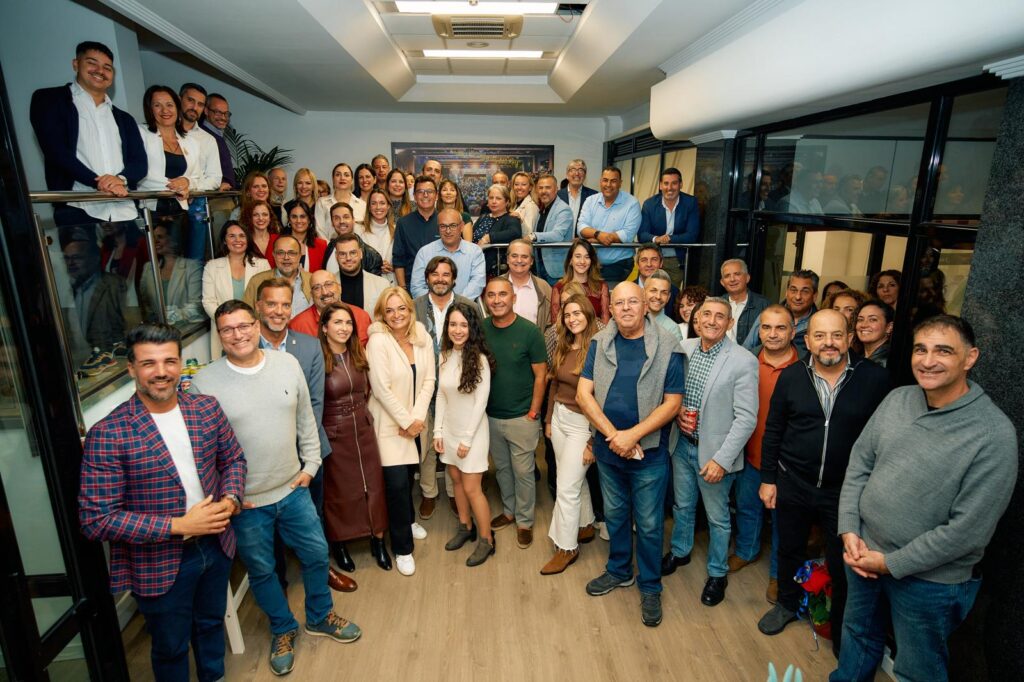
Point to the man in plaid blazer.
(161, 477)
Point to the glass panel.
(647, 180)
(69, 665)
(963, 176)
(181, 245)
(685, 160)
(866, 165)
(944, 271)
(626, 166)
(744, 188)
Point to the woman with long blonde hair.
(379, 229)
(524, 205)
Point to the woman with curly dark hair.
(461, 435)
(689, 300)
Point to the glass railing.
(112, 266)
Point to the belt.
(346, 409)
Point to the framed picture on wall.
(472, 165)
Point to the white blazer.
(529, 213)
(183, 301)
(395, 401)
(217, 288)
(156, 174)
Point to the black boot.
(380, 553)
(342, 557)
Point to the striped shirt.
(827, 393)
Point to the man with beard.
(326, 290)
(467, 256)
(193, 104)
(161, 477)
(817, 411)
(432, 307)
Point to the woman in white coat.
(225, 278)
(402, 377)
(524, 206)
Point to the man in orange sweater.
(326, 290)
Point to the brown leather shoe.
(427, 507)
(772, 593)
(736, 563)
(500, 521)
(563, 559)
(340, 582)
(524, 537)
(586, 534)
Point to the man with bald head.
(630, 389)
(327, 290)
(467, 256)
(818, 409)
(286, 255)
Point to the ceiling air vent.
(478, 28)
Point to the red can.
(690, 413)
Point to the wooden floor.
(505, 621)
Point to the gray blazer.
(307, 351)
(728, 408)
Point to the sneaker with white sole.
(405, 563)
(419, 532)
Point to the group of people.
(406, 342)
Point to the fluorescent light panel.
(483, 54)
(465, 8)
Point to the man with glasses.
(216, 119)
(630, 390)
(326, 290)
(358, 286)
(575, 193)
(415, 230)
(266, 400)
(817, 412)
(467, 256)
(286, 256)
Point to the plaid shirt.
(697, 371)
(131, 489)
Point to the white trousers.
(573, 510)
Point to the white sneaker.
(602, 530)
(406, 564)
(419, 532)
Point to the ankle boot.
(342, 557)
(380, 553)
(483, 550)
(462, 535)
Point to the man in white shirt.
(746, 305)
(575, 193)
(193, 103)
(532, 294)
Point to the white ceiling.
(361, 55)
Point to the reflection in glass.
(745, 189)
(967, 156)
(180, 279)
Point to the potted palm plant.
(247, 156)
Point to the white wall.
(320, 138)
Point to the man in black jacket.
(817, 412)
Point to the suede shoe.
(776, 620)
(282, 653)
(524, 537)
(483, 550)
(670, 562)
(772, 593)
(563, 559)
(427, 505)
(463, 535)
(736, 562)
(605, 583)
(500, 521)
(714, 591)
(650, 609)
(340, 582)
(586, 534)
(337, 628)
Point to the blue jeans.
(924, 614)
(635, 494)
(295, 519)
(750, 517)
(192, 610)
(686, 482)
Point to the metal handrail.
(617, 245)
(48, 197)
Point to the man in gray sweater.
(266, 400)
(928, 479)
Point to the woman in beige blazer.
(402, 376)
(224, 278)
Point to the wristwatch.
(234, 498)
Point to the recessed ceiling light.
(483, 54)
(467, 8)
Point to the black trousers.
(398, 495)
(798, 505)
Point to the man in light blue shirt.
(468, 257)
(611, 217)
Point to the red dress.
(354, 505)
(600, 302)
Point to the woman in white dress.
(461, 435)
(379, 229)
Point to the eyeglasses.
(286, 254)
(449, 226)
(425, 192)
(243, 328)
(326, 286)
(218, 112)
(628, 303)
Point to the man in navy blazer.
(75, 161)
(671, 204)
(575, 193)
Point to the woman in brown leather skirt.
(354, 505)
